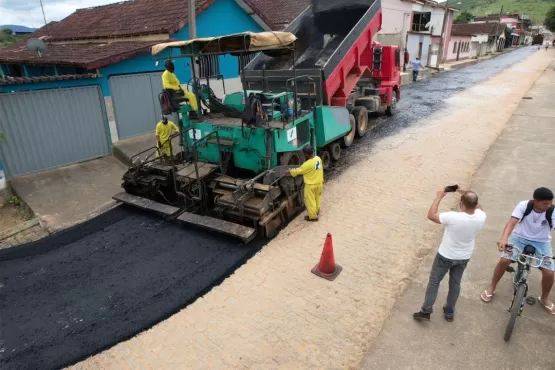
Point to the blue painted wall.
(221, 18)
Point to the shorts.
(543, 251)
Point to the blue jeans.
(415, 75)
(543, 251)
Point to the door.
(135, 101)
(52, 128)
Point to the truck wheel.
(335, 151)
(295, 158)
(326, 159)
(392, 108)
(348, 139)
(361, 118)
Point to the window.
(244, 60)
(15, 70)
(468, 46)
(209, 66)
(420, 20)
(455, 47)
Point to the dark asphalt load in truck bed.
(83, 290)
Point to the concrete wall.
(452, 55)
(396, 17)
(447, 34)
(412, 45)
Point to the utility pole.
(443, 30)
(193, 32)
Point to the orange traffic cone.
(327, 268)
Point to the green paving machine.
(227, 173)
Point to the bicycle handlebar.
(526, 259)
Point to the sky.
(28, 12)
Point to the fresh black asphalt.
(75, 293)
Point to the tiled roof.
(26, 80)
(128, 18)
(278, 14)
(470, 29)
(88, 55)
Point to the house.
(519, 25)
(18, 30)
(416, 26)
(94, 81)
(485, 38)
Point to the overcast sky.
(28, 12)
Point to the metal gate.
(51, 128)
(135, 101)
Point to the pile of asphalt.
(83, 290)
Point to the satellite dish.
(37, 46)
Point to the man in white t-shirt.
(535, 219)
(454, 252)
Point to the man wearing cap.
(173, 87)
(164, 129)
(313, 177)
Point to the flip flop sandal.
(550, 309)
(485, 296)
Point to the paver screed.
(273, 313)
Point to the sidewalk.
(521, 160)
(273, 313)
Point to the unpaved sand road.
(272, 313)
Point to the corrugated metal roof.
(27, 80)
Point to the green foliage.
(464, 17)
(7, 31)
(3, 136)
(535, 9)
(549, 21)
(8, 39)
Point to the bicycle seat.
(529, 250)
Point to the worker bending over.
(313, 177)
(164, 129)
(173, 87)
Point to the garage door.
(135, 101)
(51, 128)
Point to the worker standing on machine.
(164, 129)
(312, 171)
(173, 87)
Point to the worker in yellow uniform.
(173, 87)
(312, 171)
(164, 129)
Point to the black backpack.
(548, 214)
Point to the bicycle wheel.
(515, 310)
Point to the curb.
(19, 228)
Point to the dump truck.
(313, 83)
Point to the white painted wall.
(480, 38)
(396, 16)
(437, 20)
(412, 45)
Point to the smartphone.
(451, 188)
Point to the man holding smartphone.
(455, 250)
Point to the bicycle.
(525, 260)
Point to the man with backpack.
(530, 224)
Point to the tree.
(464, 17)
(7, 31)
(549, 22)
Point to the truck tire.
(326, 159)
(348, 139)
(361, 118)
(392, 107)
(335, 151)
(295, 158)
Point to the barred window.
(209, 66)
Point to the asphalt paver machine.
(313, 83)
